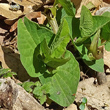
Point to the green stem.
(94, 46)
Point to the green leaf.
(37, 91)
(107, 46)
(60, 15)
(37, 83)
(46, 88)
(37, 32)
(30, 35)
(99, 22)
(43, 99)
(27, 86)
(55, 62)
(62, 38)
(84, 100)
(105, 33)
(97, 65)
(53, 56)
(64, 82)
(107, 14)
(73, 22)
(9, 74)
(90, 5)
(41, 91)
(47, 58)
(86, 22)
(4, 71)
(53, 10)
(90, 24)
(82, 106)
(68, 6)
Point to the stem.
(53, 23)
(94, 46)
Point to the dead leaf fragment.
(41, 19)
(33, 15)
(79, 3)
(28, 4)
(5, 12)
(3, 33)
(107, 1)
(14, 27)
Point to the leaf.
(53, 10)
(7, 13)
(84, 100)
(29, 36)
(64, 82)
(88, 28)
(44, 48)
(51, 62)
(60, 15)
(90, 5)
(62, 38)
(37, 91)
(29, 5)
(78, 4)
(82, 106)
(97, 65)
(73, 22)
(4, 71)
(55, 62)
(100, 21)
(41, 91)
(27, 86)
(107, 13)
(46, 88)
(86, 22)
(68, 6)
(107, 46)
(42, 99)
(105, 33)
(32, 15)
(9, 74)
(38, 33)
(53, 56)
(37, 83)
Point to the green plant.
(84, 102)
(43, 53)
(39, 91)
(6, 73)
